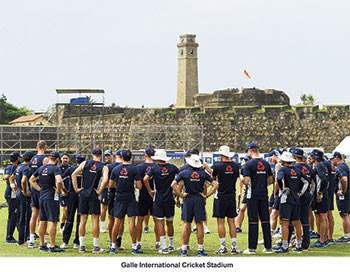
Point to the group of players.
(41, 183)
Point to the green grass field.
(211, 241)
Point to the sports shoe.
(221, 251)
(112, 250)
(314, 235)
(202, 253)
(157, 247)
(146, 230)
(136, 252)
(120, 248)
(180, 248)
(235, 251)
(342, 240)
(276, 247)
(330, 241)
(82, 249)
(194, 228)
(75, 246)
(63, 245)
(206, 230)
(36, 236)
(249, 251)
(31, 245)
(11, 241)
(97, 249)
(238, 230)
(163, 251)
(282, 251)
(171, 249)
(103, 229)
(298, 250)
(318, 244)
(183, 253)
(267, 251)
(43, 248)
(55, 249)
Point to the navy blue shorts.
(193, 207)
(125, 208)
(289, 212)
(343, 204)
(35, 199)
(272, 200)
(161, 211)
(63, 200)
(225, 206)
(321, 207)
(104, 197)
(145, 207)
(330, 201)
(49, 210)
(89, 205)
(111, 197)
(276, 203)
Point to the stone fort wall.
(271, 126)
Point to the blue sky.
(128, 48)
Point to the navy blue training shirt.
(331, 175)
(342, 171)
(184, 167)
(143, 168)
(111, 166)
(66, 180)
(163, 175)
(308, 172)
(194, 180)
(92, 174)
(22, 170)
(322, 181)
(227, 173)
(68, 175)
(125, 176)
(290, 177)
(46, 175)
(258, 170)
(9, 170)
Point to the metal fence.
(82, 139)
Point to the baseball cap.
(126, 154)
(291, 149)
(118, 153)
(55, 154)
(150, 151)
(108, 152)
(80, 158)
(251, 145)
(64, 154)
(97, 151)
(246, 157)
(298, 152)
(335, 154)
(274, 152)
(317, 154)
(189, 153)
(15, 155)
(281, 150)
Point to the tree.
(9, 112)
(307, 99)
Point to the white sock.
(171, 241)
(200, 247)
(138, 243)
(157, 243)
(184, 247)
(82, 240)
(96, 242)
(347, 235)
(163, 241)
(222, 242)
(113, 245)
(233, 242)
(102, 224)
(31, 238)
(45, 241)
(133, 246)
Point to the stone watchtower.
(187, 73)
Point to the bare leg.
(95, 225)
(170, 228)
(33, 219)
(52, 233)
(139, 229)
(132, 229)
(116, 227)
(311, 220)
(221, 227)
(185, 234)
(232, 227)
(330, 225)
(200, 233)
(82, 226)
(240, 216)
(104, 212)
(42, 231)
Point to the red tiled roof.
(27, 118)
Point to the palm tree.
(303, 99)
(308, 99)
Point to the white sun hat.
(287, 157)
(224, 150)
(160, 155)
(194, 161)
